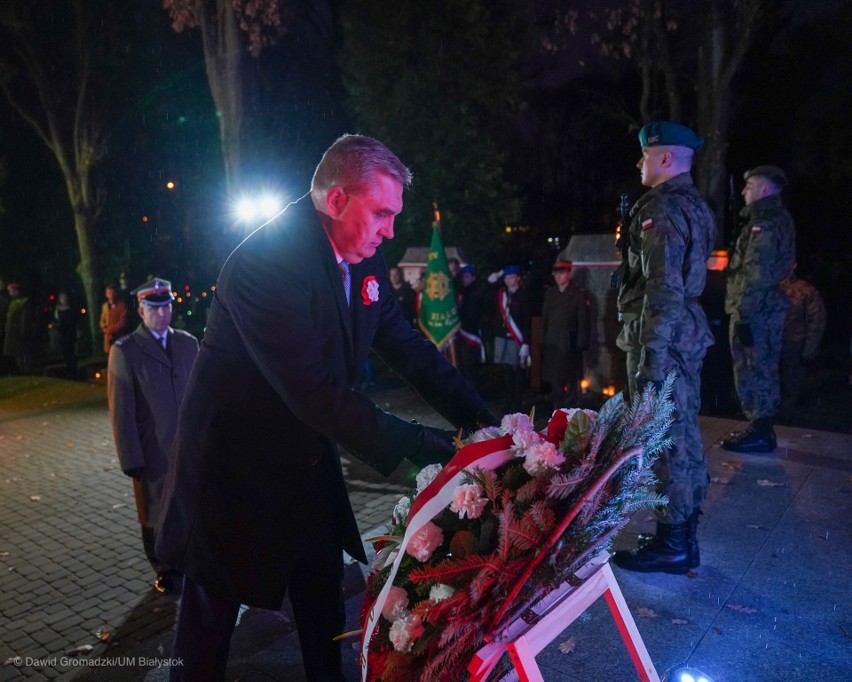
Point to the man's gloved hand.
(494, 276)
(436, 447)
(485, 419)
(135, 473)
(742, 332)
(524, 356)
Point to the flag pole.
(451, 346)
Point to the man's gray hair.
(352, 161)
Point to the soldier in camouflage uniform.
(671, 235)
(803, 330)
(764, 254)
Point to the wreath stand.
(540, 624)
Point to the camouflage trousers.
(756, 369)
(682, 469)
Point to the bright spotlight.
(687, 675)
(246, 209)
(269, 206)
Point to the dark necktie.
(346, 277)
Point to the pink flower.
(468, 500)
(516, 422)
(405, 631)
(396, 604)
(425, 541)
(525, 439)
(541, 458)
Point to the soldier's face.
(362, 219)
(755, 188)
(157, 318)
(651, 166)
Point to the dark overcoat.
(565, 328)
(272, 394)
(146, 385)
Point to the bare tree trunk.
(718, 61)
(220, 37)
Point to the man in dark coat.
(146, 380)
(255, 503)
(565, 329)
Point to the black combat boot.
(693, 555)
(759, 436)
(667, 552)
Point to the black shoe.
(666, 552)
(759, 436)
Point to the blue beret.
(468, 270)
(665, 133)
(511, 270)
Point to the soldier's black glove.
(436, 447)
(135, 473)
(742, 332)
(642, 382)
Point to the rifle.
(617, 278)
(733, 215)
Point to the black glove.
(135, 473)
(642, 382)
(484, 419)
(436, 447)
(742, 332)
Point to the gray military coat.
(146, 386)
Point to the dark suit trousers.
(206, 621)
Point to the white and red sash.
(506, 314)
(473, 340)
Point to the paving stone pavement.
(771, 600)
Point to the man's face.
(394, 276)
(512, 281)
(755, 188)
(562, 277)
(467, 278)
(156, 317)
(650, 166)
(362, 220)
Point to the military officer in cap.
(671, 235)
(764, 254)
(146, 380)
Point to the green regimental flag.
(439, 315)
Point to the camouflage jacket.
(805, 321)
(671, 234)
(764, 254)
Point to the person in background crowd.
(472, 297)
(670, 237)
(18, 339)
(565, 330)
(147, 376)
(764, 254)
(255, 504)
(67, 317)
(114, 317)
(804, 326)
(512, 341)
(404, 295)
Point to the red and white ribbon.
(436, 497)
